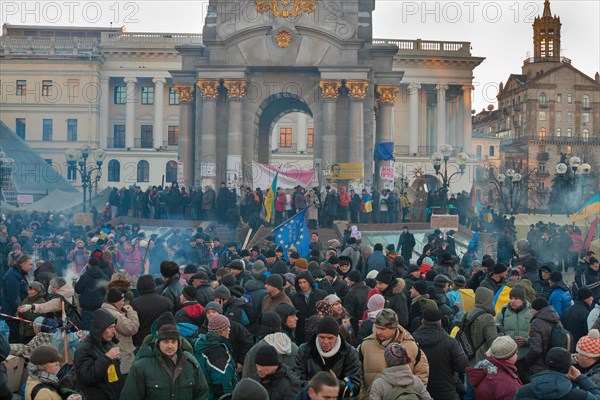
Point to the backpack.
(406, 392)
(464, 336)
(188, 331)
(74, 319)
(560, 337)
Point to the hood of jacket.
(101, 320)
(281, 342)
(484, 300)
(145, 284)
(399, 375)
(253, 284)
(550, 385)
(397, 286)
(304, 275)
(66, 291)
(95, 273)
(561, 285)
(548, 314)
(119, 284)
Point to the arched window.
(492, 151)
(114, 171)
(542, 133)
(478, 151)
(585, 102)
(542, 101)
(143, 171)
(585, 134)
(171, 172)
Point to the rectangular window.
(72, 130)
(557, 132)
(118, 140)
(570, 116)
(21, 125)
(285, 137)
(541, 185)
(542, 167)
(173, 135)
(120, 94)
(558, 116)
(46, 88)
(569, 132)
(147, 94)
(585, 117)
(558, 98)
(71, 172)
(542, 115)
(21, 88)
(147, 139)
(569, 98)
(47, 130)
(173, 97)
(310, 138)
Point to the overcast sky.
(500, 31)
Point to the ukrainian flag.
(294, 232)
(270, 199)
(590, 209)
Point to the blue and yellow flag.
(270, 199)
(294, 232)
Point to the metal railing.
(143, 39)
(143, 144)
(550, 139)
(401, 150)
(540, 59)
(418, 46)
(292, 149)
(111, 143)
(170, 146)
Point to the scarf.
(392, 339)
(45, 377)
(330, 353)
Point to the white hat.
(372, 274)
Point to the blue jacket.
(15, 286)
(552, 385)
(377, 261)
(560, 298)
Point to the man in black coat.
(445, 356)
(355, 301)
(91, 288)
(304, 300)
(406, 244)
(149, 306)
(574, 318)
(281, 383)
(204, 291)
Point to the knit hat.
(295, 255)
(503, 348)
(44, 354)
(376, 302)
(270, 322)
(386, 276)
(387, 318)
(200, 275)
(584, 293)
(189, 292)
(355, 276)
(213, 305)
(291, 278)
(413, 268)
(517, 292)
(328, 325)
(167, 332)
(266, 356)
(555, 276)
(218, 324)
(146, 284)
(323, 307)
(420, 287)
(332, 299)
(427, 261)
(559, 359)
(38, 287)
(190, 269)
(500, 268)
(258, 266)
(488, 263)
(539, 303)
(275, 280)
(301, 263)
(222, 293)
(249, 389)
(114, 295)
(395, 354)
(228, 280)
(589, 345)
(432, 315)
(236, 264)
(372, 274)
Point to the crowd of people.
(192, 318)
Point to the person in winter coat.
(388, 330)
(560, 295)
(97, 360)
(391, 289)
(480, 320)
(127, 325)
(214, 354)
(234, 308)
(353, 251)
(275, 293)
(397, 378)
(544, 319)
(327, 351)
(574, 319)
(375, 304)
(561, 381)
(355, 301)
(149, 306)
(165, 371)
(204, 291)
(91, 288)
(289, 319)
(588, 355)
(35, 295)
(542, 286)
(304, 300)
(42, 383)
(172, 286)
(444, 355)
(5, 392)
(44, 273)
(60, 291)
(14, 289)
(495, 377)
(496, 279)
(406, 244)
(190, 312)
(278, 379)
(377, 261)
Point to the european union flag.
(384, 151)
(293, 232)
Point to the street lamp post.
(78, 159)
(515, 179)
(443, 156)
(577, 167)
(6, 167)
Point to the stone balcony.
(152, 40)
(417, 47)
(48, 46)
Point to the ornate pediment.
(286, 8)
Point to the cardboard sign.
(386, 173)
(25, 198)
(208, 169)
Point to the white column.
(467, 123)
(104, 105)
(329, 93)
(441, 115)
(130, 112)
(159, 96)
(302, 137)
(413, 144)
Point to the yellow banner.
(345, 171)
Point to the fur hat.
(167, 332)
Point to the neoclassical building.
(285, 83)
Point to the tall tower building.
(546, 43)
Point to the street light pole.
(515, 180)
(443, 155)
(578, 169)
(80, 157)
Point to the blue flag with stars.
(294, 232)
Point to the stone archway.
(269, 112)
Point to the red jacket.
(280, 203)
(494, 379)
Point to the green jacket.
(483, 328)
(25, 328)
(513, 324)
(215, 357)
(155, 376)
(150, 340)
